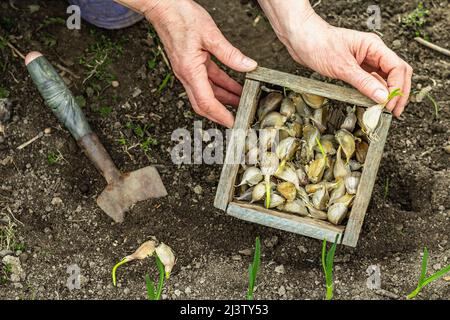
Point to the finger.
(398, 71)
(225, 96)
(216, 44)
(379, 78)
(219, 77)
(366, 83)
(204, 100)
(403, 100)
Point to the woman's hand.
(358, 58)
(190, 38)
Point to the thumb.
(367, 84)
(229, 55)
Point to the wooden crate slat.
(301, 84)
(304, 226)
(244, 117)
(369, 174)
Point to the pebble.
(5, 252)
(447, 149)
(126, 291)
(188, 290)
(177, 292)
(437, 266)
(282, 291)
(137, 92)
(236, 257)
(272, 242)
(198, 189)
(115, 84)
(48, 130)
(279, 269)
(56, 201)
(302, 249)
(23, 257)
(396, 44)
(246, 252)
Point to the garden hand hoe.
(123, 189)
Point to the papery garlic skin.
(145, 250)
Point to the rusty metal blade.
(132, 187)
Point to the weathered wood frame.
(349, 234)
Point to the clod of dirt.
(15, 268)
(5, 110)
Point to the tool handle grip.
(58, 97)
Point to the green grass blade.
(161, 277)
(253, 269)
(423, 273)
(150, 288)
(324, 252)
(436, 276)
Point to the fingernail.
(380, 95)
(249, 63)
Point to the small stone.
(56, 201)
(198, 189)
(180, 104)
(23, 257)
(236, 257)
(5, 252)
(177, 292)
(272, 242)
(302, 249)
(279, 269)
(447, 149)
(282, 291)
(126, 291)
(437, 266)
(115, 83)
(48, 130)
(137, 92)
(246, 252)
(396, 44)
(188, 290)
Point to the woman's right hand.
(190, 38)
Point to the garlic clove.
(287, 190)
(251, 176)
(167, 257)
(269, 103)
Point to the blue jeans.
(106, 13)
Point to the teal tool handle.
(58, 97)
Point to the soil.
(60, 224)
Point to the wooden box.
(349, 233)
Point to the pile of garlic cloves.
(308, 156)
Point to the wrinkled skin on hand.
(191, 38)
(358, 58)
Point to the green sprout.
(424, 281)
(168, 78)
(53, 158)
(152, 292)
(322, 150)
(105, 111)
(394, 93)
(416, 20)
(435, 105)
(253, 269)
(4, 93)
(327, 264)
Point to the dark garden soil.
(51, 187)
